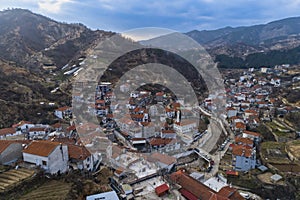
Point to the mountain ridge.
(31, 40)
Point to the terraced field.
(13, 177)
(53, 190)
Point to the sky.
(178, 15)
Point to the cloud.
(120, 15)
(52, 6)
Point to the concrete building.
(185, 126)
(50, 156)
(63, 112)
(243, 158)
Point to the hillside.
(33, 50)
(240, 46)
(22, 93)
(34, 41)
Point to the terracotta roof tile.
(241, 150)
(188, 183)
(78, 152)
(21, 123)
(63, 108)
(41, 148)
(252, 133)
(241, 140)
(161, 189)
(231, 193)
(160, 141)
(6, 131)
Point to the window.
(44, 162)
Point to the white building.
(112, 195)
(81, 158)
(185, 126)
(50, 156)
(38, 132)
(63, 112)
(22, 127)
(231, 112)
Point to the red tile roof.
(162, 189)
(78, 152)
(193, 190)
(251, 111)
(63, 108)
(186, 122)
(240, 125)
(187, 194)
(6, 131)
(241, 150)
(231, 193)
(231, 172)
(252, 133)
(159, 94)
(21, 123)
(41, 148)
(245, 141)
(199, 190)
(160, 141)
(168, 131)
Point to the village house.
(168, 134)
(81, 158)
(243, 157)
(10, 151)
(239, 126)
(159, 142)
(63, 112)
(231, 112)
(22, 127)
(256, 137)
(56, 127)
(248, 113)
(185, 126)
(135, 94)
(6, 132)
(50, 156)
(102, 89)
(38, 132)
